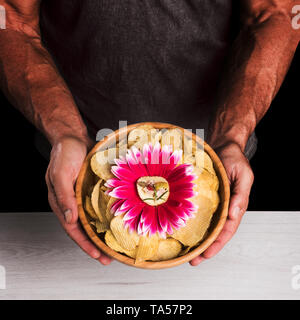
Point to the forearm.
(30, 80)
(258, 63)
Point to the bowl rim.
(222, 175)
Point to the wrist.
(237, 134)
(61, 133)
(69, 137)
(63, 123)
(58, 131)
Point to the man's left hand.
(241, 179)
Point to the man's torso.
(139, 60)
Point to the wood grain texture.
(85, 180)
(43, 263)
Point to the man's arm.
(258, 63)
(256, 67)
(29, 77)
(31, 81)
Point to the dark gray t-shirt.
(139, 60)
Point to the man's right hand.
(67, 156)
(42, 95)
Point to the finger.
(63, 189)
(196, 261)
(75, 232)
(241, 188)
(226, 234)
(240, 191)
(104, 259)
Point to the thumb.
(240, 191)
(63, 189)
(65, 163)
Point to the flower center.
(153, 190)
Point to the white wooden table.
(41, 262)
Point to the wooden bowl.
(86, 178)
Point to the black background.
(275, 165)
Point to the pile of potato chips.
(97, 204)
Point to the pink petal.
(123, 173)
(162, 219)
(189, 205)
(133, 212)
(120, 162)
(155, 154)
(177, 172)
(123, 192)
(126, 205)
(181, 186)
(166, 153)
(148, 215)
(176, 157)
(113, 183)
(170, 229)
(116, 205)
(183, 194)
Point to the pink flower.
(171, 213)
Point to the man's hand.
(241, 179)
(42, 95)
(247, 87)
(67, 156)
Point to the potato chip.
(212, 195)
(111, 241)
(91, 187)
(89, 208)
(147, 248)
(101, 226)
(167, 249)
(109, 215)
(190, 146)
(99, 201)
(126, 239)
(205, 180)
(102, 161)
(172, 137)
(95, 197)
(195, 228)
(122, 150)
(153, 190)
(143, 135)
(122, 142)
(185, 251)
(156, 136)
(188, 158)
(203, 160)
(140, 136)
